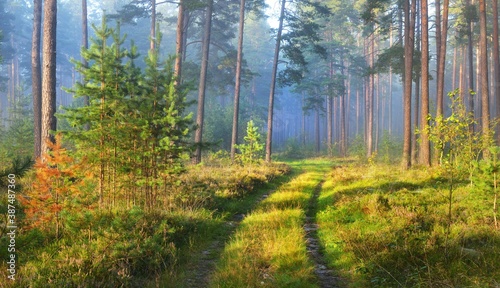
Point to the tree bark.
(425, 155)
(369, 98)
(442, 60)
(239, 59)
(470, 57)
(269, 139)
(483, 58)
(316, 130)
(329, 115)
(36, 74)
(179, 44)
(49, 73)
(152, 33)
(414, 142)
(496, 65)
(343, 123)
(85, 44)
(409, 12)
(203, 81)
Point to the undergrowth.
(130, 246)
(385, 228)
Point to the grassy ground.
(131, 247)
(268, 249)
(384, 228)
(198, 259)
(378, 227)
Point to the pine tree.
(137, 118)
(253, 147)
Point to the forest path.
(326, 276)
(276, 245)
(200, 261)
(200, 270)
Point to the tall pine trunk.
(425, 156)
(496, 65)
(179, 44)
(49, 73)
(409, 11)
(483, 65)
(203, 82)
(85, 45)
(36, 74)
(239, 59)
(152, 32)
(443, 28)
(470, 58)
(369, 98)
(269, 139)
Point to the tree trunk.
(443, 28)
(470, 57)
(179, 44)
(329, 125)
(442, 60)
(237, 85)
(414, 142)
(152, 33)
(483, 58)
(316, 131)
(203, 81)
(36, 76)
(343, 113)
(369, 98)
(425, 155)
(85, 44)
(408, 52)
(329, 116)
(496, 66)
(49, 73)
(269, 139)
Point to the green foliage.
(458, 145)
(385, 227)
(130, 247)
(16, 136)
(251, 151)
(134, 128)
(487, 177)
(110, 249)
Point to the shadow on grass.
(400, 238)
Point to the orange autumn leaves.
(61, 184)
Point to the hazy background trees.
(344, 72)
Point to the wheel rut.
(326, 277)
(202, 269)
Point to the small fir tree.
(60, 185)
(136, 118)
(251, 151)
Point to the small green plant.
(457, 142)
(251, 150)
(487, 177)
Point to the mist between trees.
(336, 77)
